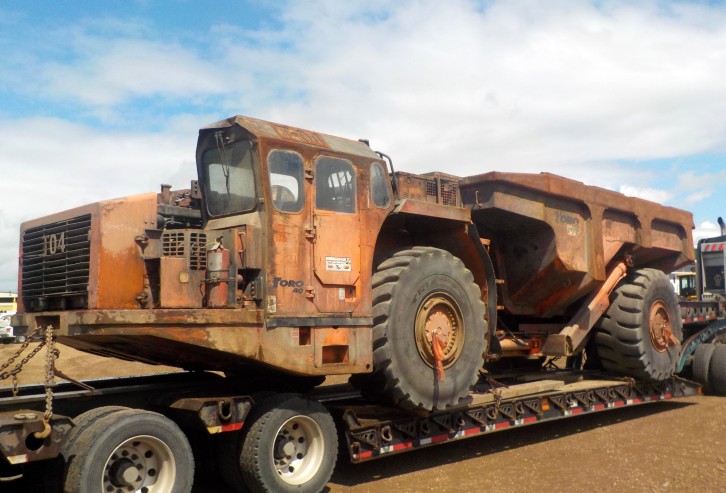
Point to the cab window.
(286, 180)
(227, 178)
(379, 186)
(334, 185)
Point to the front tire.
(640, 333)
(419, 294)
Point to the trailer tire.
(289, 444)
(702, 362)
(717, 371)
(82, 421)
(632, 336)
(110, 450)
(413, 291)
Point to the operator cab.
(311, 206)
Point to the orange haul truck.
(298, 255)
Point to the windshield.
(228, 178)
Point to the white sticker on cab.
(337, 264)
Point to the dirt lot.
(670, 446)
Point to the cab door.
(289, 272)
(337, 237)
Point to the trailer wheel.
(130, 450)
(289, 444)
(419, 294)
(717, 371)
(702, 361)
(82, 421)
(640, 333)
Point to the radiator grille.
(186, 243)
(431, 188)
(173, 244)
(446, 194)
(55, 264)
(449, 193)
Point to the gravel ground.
(676, 446)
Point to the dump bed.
(553, 238)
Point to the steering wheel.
(283, 198)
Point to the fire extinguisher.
(217, 278)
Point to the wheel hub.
(123, 472)
(298, 450)
(143, 464)
(439, 317)
(660, 326)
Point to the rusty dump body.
(266, 263)
(555, 238)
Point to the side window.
(334, 185)
(286, 180)
(379, 186)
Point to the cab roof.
(274, 131)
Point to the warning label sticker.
(337, 264)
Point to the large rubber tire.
(701, 366)
(630, 338)
(415, 292)
(130, 450)
(717, 371)
(289, 444)
(83, 421)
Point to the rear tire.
(417, 293)
(130, 450)
(290, 444)
(717, 370)
(633, 337)
(702, 360)
(83, 421)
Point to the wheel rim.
(142, 464)
(439, 315)
(298, 450)
(660, 326)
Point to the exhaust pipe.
(723, 226)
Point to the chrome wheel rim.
(298, 450)
(142, 464)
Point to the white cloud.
(122, 69)
(652, 194)
(517, 84)
(706, 229)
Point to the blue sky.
(104, 99)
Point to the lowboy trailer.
(209, 412)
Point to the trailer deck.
(371, 430)
(376, 431)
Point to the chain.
(50, 356)
(18, 368)
(551, 363)
(629, 380)
(494, 387)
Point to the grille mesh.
(183, 243)
(55, 263)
